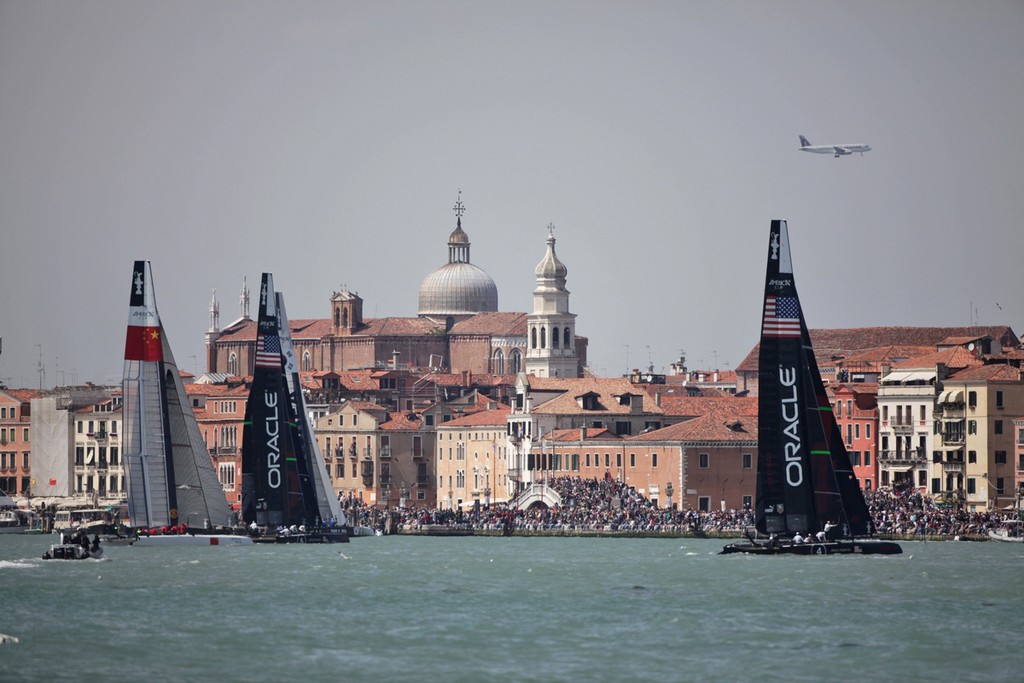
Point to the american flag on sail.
(268, 352)
(781, 316)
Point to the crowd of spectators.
(593, 505)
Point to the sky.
(327, 142)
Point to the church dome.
(458, 287)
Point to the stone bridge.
(537, 494)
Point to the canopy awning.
(904, 376)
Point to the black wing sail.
(784, 502)
(272, 483)
(804, 476)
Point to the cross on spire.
(459, 207)
(551, 229)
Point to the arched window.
(554, 337)
(232, 364)
(498, 365)
(533, 337)
(566, 339)
(515, 361)
(337, 316)
(344, 318)
(543, 337)
(307, 361)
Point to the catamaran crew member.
(798, 538)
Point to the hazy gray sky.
(326, 142)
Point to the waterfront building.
(706, 461)
(382, 457)
(544, 406)
(973, 464)
(906, 403)
(472, 459)
(16, 441)
(77, 445)
(1018, 430)
(855, 408)
(458, 327)
(220, 412)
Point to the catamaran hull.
(827, 548)
(189, 539)
(1004, 536)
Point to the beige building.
(471, 459)
(373, 455)
(975, 445)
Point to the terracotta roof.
(954, 357)
(843, 342)
(482, 418)
(401, 421)
(510, 324)
(718, 424)
(24, 395)
(693, 406)
(997, 372)
(570, 435)
(607, 389)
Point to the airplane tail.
(804, 142)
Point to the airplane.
(837, 150)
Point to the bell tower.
(551, 328)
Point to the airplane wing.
(841, 150)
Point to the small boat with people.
(75, 546)
(808, 500)
(16, 521)
(1011, 531)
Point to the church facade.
(458, 327)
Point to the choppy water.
(512, 609)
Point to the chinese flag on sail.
(143, 343)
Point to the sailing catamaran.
(285, 483)
(805, 484)
(169, 477)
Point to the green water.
(511, 609)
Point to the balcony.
(953, 466)
(950, 414)
(901, 424)
(902, 458)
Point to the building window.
(1000, 457)
(704, 503)
(748, 502)
(936, 483)
(554, 337)
(867, 484)
(972, 399)
(748, 461)
(972, 457)
(855, 458)
(999, 399)
(839, 409)
(704, 459)
(515, 361)
(999, 486)
(654, 460)
(232, 364)
(499, 362)
(972, 487)
(307, 361)
(998, 427)
(867, 431)
(632, 459)
(972, 426)
(867, 458)
(566, 339)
